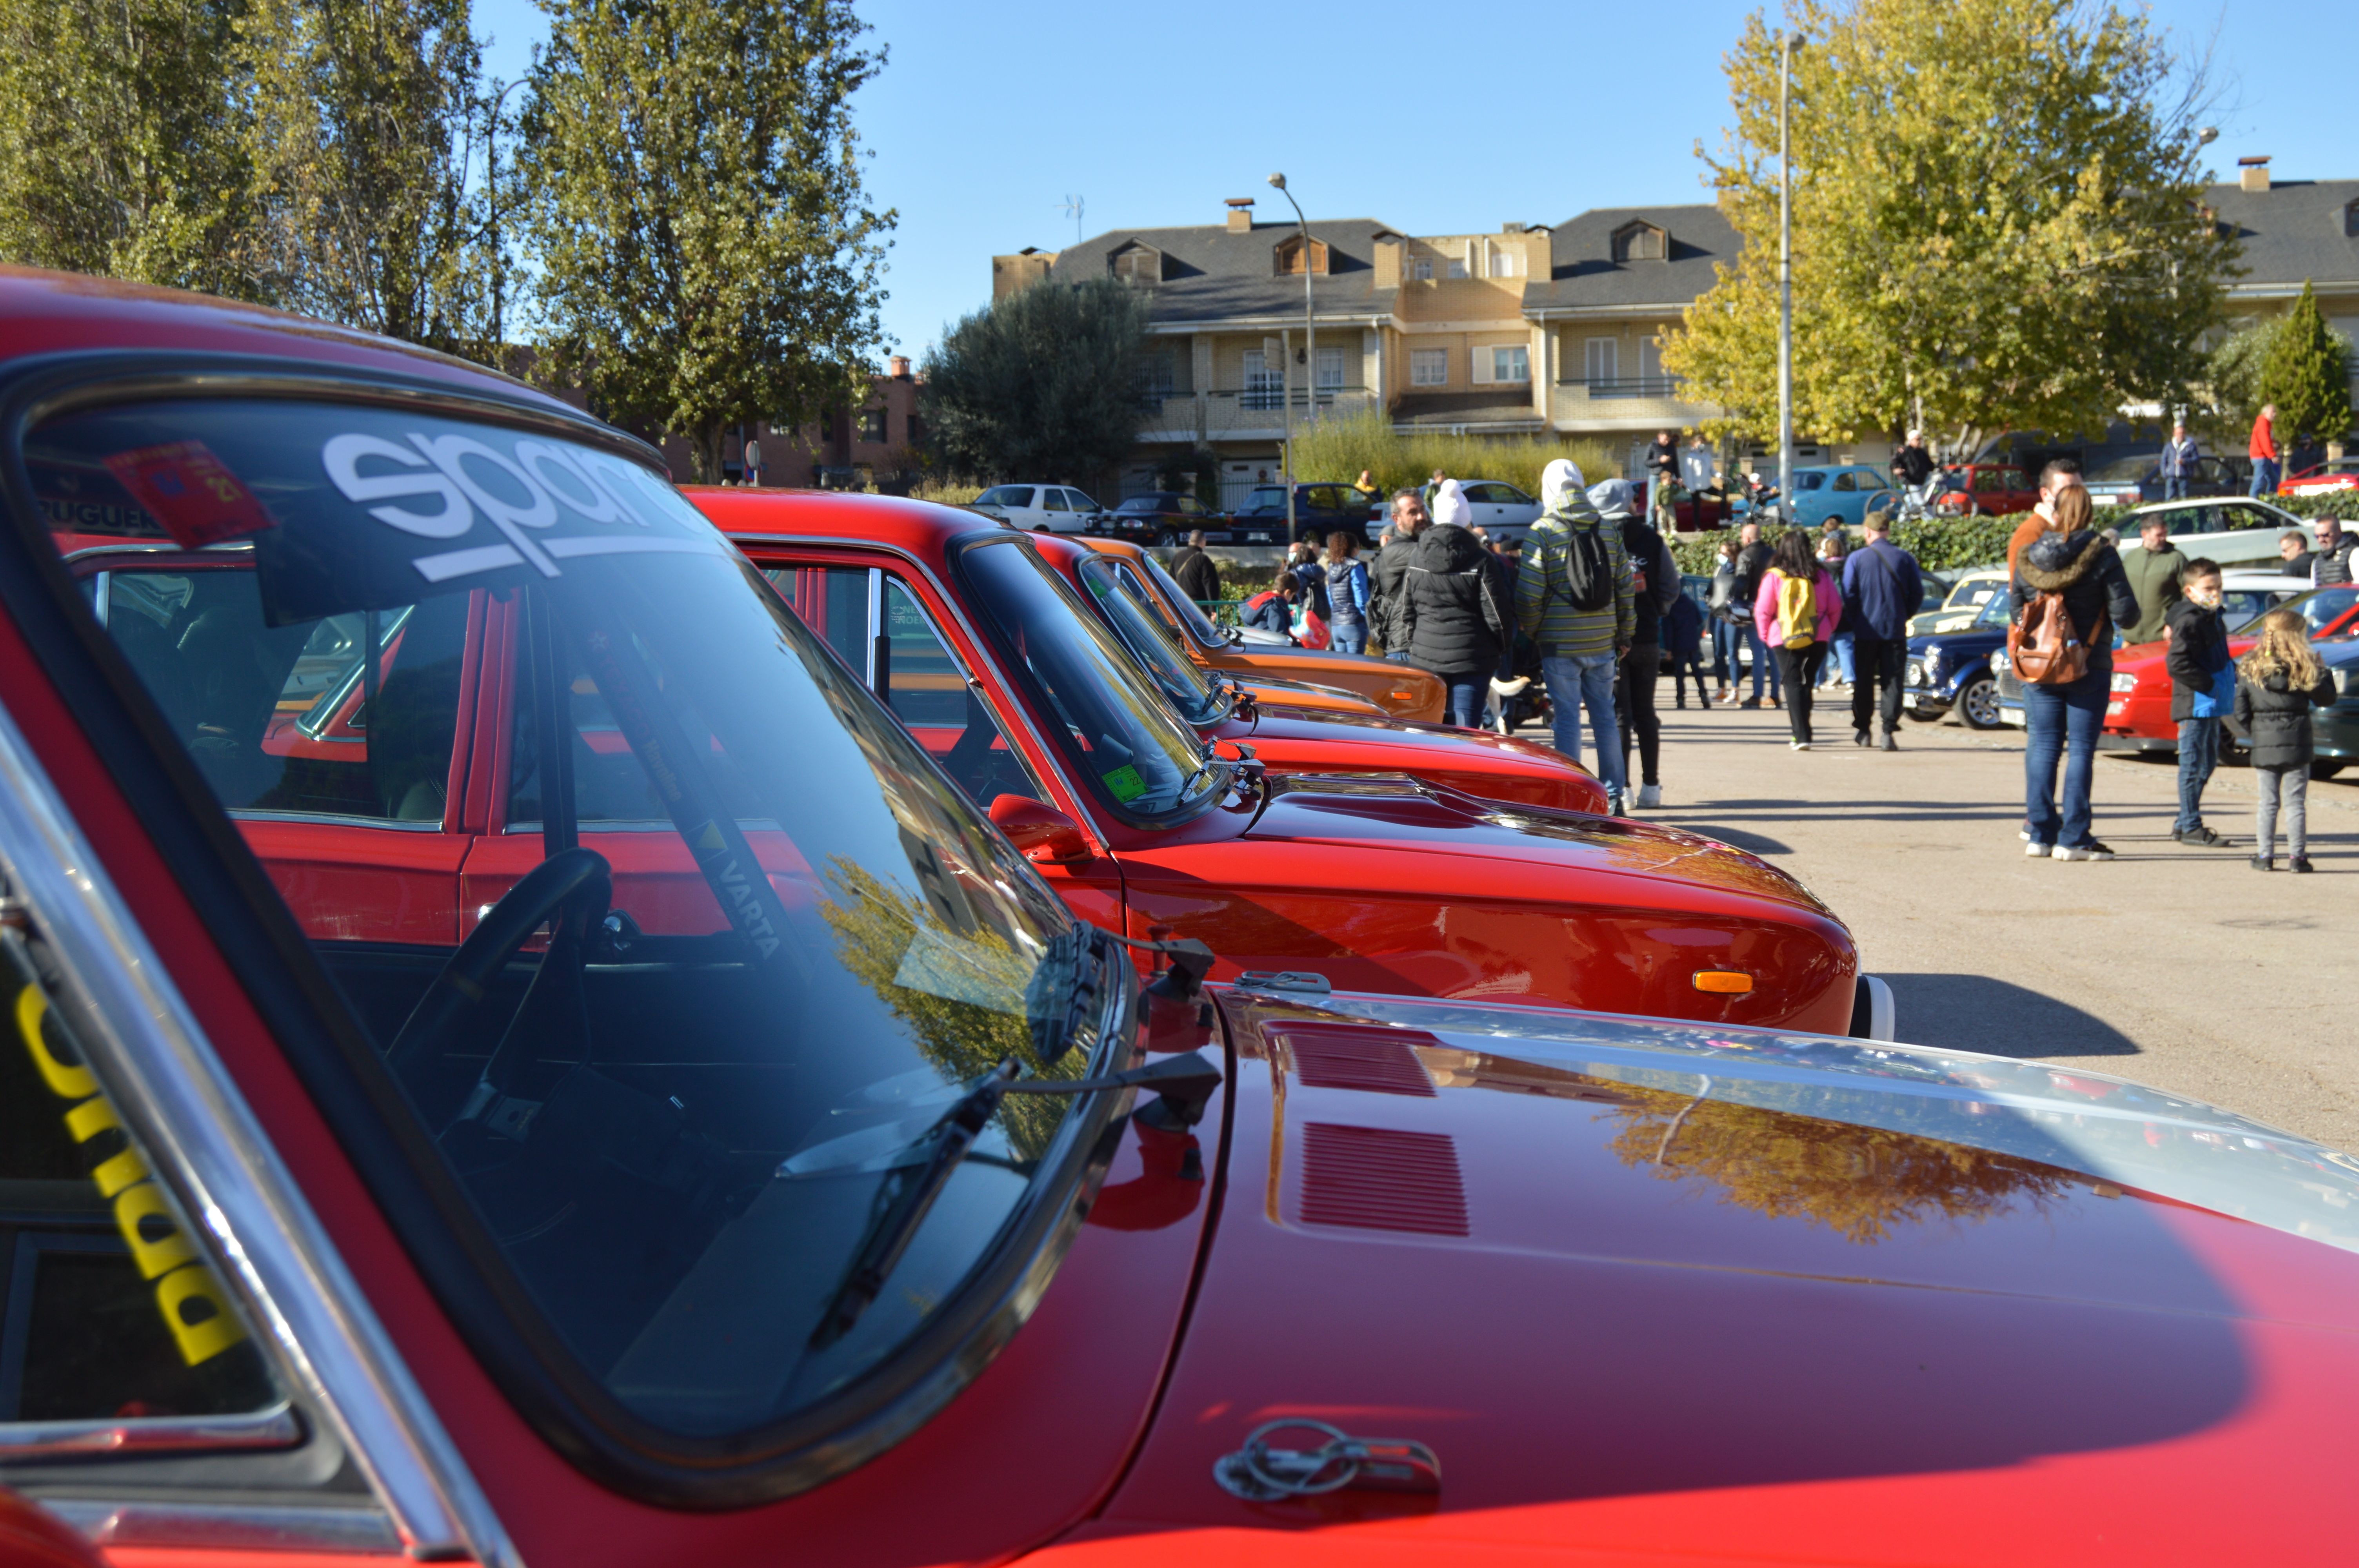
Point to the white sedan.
(1040, 508)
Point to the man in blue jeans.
(1386, 576)
(1581, 643)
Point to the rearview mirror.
(1043, 834)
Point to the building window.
(1650, 359)
(1155, 378)
(2350, 220)
(1601, 360)
(1290, 257)
(1137, 264)
(871, 425)
(1457, 267)
(1640, 242)
(1330, 372)
(1421, 269)
(1511, 363)
(1503, 265)
(1263, 385)
(1429, 367)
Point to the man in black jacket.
(1194, 570)
(1392, 562)
(1912, 465)
(1752, 560)
(1654, 584)
(2202, 691)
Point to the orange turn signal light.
(1724, 983)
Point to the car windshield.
(2318, 608)
(1138, 503)
(1197, 699)
(1113, 727)
(1264, 499)
(2126, 469)
(1175, 602)
(1997, 610)
(456, 683)
(1973, 591)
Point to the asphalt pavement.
(2181, 968)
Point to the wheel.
(1977, 703)
(1165, 538)
(2324, 768)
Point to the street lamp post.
(1786, 48)
(1309, 354)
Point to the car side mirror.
(1041, 833)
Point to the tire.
(1977, 703)
(1164, 539)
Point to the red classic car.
(2340, 474)
(771, 1166)
(2137, 714)
(1366, 877)
(1986, 490)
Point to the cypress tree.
(2308, 373)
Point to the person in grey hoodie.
(1450, 607)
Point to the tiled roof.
(2293, 230)
(1210, 274)
(1584, 274)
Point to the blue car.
(1845, 490)
(1951, 670)
(2336, 729)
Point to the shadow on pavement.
(1972, 1013)
(1737, 839)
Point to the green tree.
(2307, 373)
(1041, 385)
(122, 144)
(1995, 220)
(361, 145)
(706, 252)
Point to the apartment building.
(1527, 328)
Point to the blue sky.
(988, 116)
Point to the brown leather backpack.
(2042, 645)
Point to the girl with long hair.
(2061, 721)
(1347, 594)
(1796, 613)
(2276, 686)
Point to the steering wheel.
(567, 878)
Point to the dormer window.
(1288, 256)
(1640, 242)
(1136, 264)
(2351, 219)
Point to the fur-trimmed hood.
(2054, 562)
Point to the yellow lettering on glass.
(195, 1307)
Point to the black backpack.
(1588, 569)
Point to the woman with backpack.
(2276, 686)
(1796, 611)
(1347, 595)
(2069, 593)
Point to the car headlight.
(2124, 682)
(1997, 660)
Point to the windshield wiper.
(1185, 1083)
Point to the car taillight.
(2124, 682)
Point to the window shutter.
(1479, 370)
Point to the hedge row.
(1956, 542)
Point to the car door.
(931, 684)
(344, 773)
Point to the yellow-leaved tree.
(1996, 220)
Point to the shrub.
(1338, 450)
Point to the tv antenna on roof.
(1074, 205)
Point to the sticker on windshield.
(190, 492)
(1125, 784)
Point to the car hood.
(1628, 862)
(1653, 1288)
(1494, 767)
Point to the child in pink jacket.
(1796, 611)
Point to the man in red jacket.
(2264, 452)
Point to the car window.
(1189, 505)
(1197, 699)
(1807, 480)
(832, 601)
(1139, 505)
(1016, 495)
(1053, 499)
(2121, 469)
(1509, 495)
(780, 941)
(2321, 607)
(1115, 728)
(928, 691)
(111, 1309)
(1989, 479)
(2236, 514)
(1846, 481)
(1080, 502)
(1170, 602)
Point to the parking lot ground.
(2181, 968)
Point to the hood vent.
(1378, 1061)
(1373, 1178)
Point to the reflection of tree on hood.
(1858, 1182)
(890, 939)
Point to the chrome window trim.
(330, 820)
(230, 1527)
(207, 1146)
(275, 1427)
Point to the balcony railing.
(1627, 386)
(1230, 409)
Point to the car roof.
(45, 312)
(919, 528)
